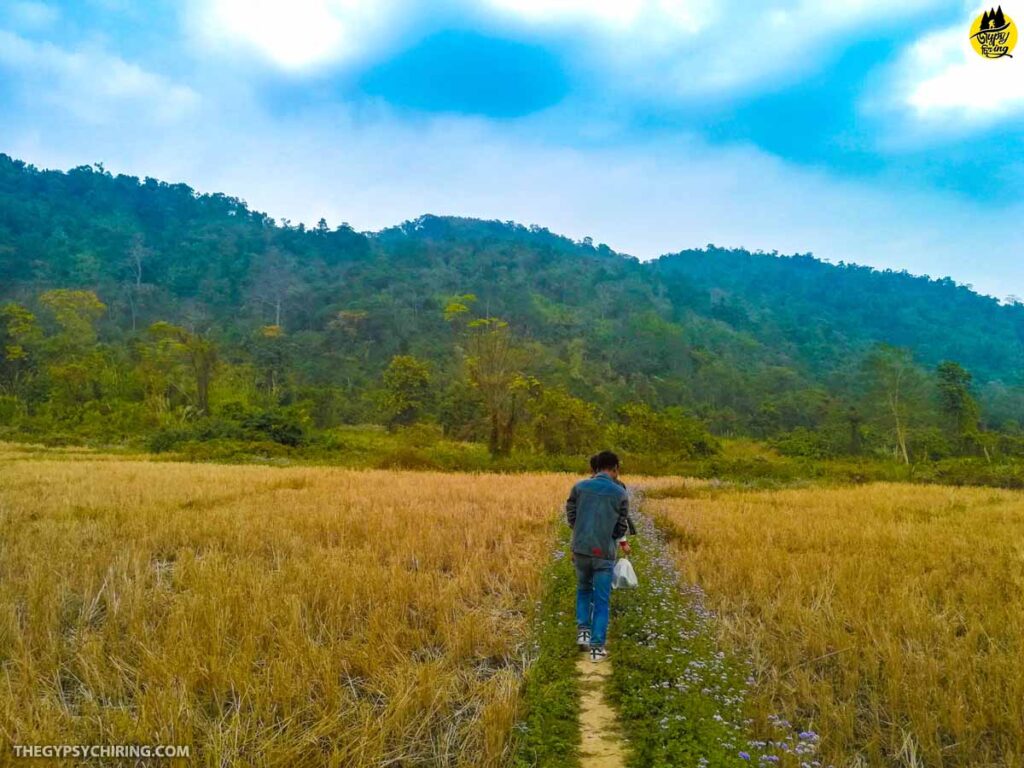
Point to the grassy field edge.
(547, 734)
(682, 700)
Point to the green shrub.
(670, 431)
(10, 409)
(407, 458)
(421, 435)
(805, 443)
(276, 426)
(167, 439)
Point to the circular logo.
(993, 34)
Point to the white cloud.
(614, 12)
(685, 47)
(93, 85)
(941, 77)
(664, 47)
(295, 35)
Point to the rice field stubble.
(268, 616)
(889, 617)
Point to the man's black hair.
(593, 464)
(605, 460)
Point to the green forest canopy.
(132, 307)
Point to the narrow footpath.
(674, 698)
(601, 743)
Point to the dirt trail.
(602, 745)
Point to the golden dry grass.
(888, 617)
(265, 616)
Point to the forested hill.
(826, 309)
(750, 342)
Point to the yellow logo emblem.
(993, 34)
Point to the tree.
(349, 321)
(347, 326)
(562, 423)
(765, 422)
(73, 364)
(270, 351)
(407, 391)
(20, 335)
(957, 403)
(273, 284)
(494, 363)
(135, 259)
(896, 390)
(198, 350)
(76, 313)
(854, 420)
(457, 307)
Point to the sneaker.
(598, 653)
(583, 639)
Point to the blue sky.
(860, 130)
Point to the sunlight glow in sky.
(860, 130)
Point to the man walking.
(630, 527)
(598, 512)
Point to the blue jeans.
(593, 594)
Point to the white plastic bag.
(624, 577)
